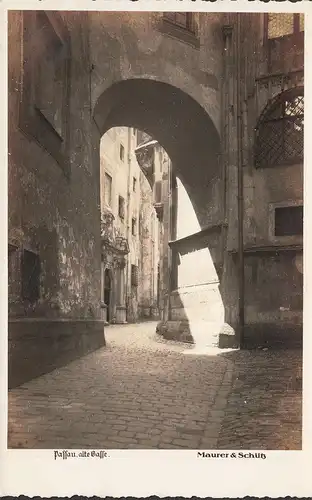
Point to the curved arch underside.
(179, 124)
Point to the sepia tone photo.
(155, 230)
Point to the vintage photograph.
(155, 230)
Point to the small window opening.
(121, 207)
(134, 275)
(289, 221)
(122, 152)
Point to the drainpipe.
(128, 220)
(240, 188)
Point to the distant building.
(131, 231)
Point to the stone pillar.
(121, 309)
(166, 260)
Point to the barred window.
(283, 24)
(279, 133)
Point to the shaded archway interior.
(177, 122)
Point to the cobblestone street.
(142, 392)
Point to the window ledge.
(291, 163)
(269, 249)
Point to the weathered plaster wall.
(56, 216)
(50, 213)
(273, 281)
(142, 50)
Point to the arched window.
(279, 132)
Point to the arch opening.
(180, 125)
(184, 130)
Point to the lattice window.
(279, 133)
(279, 25)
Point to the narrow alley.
(141, 391)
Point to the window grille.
(279, 133)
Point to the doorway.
(107, 293)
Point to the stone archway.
(180, 125)
(187, 133)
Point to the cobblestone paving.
(143, 392)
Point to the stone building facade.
(131, 231)
(228, 110)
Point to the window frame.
(121, 152)
(189, 24)
(106, 174)
(121, 207)
(32, 122)
(264, 118)
(187, 34)
(296, 26)
(285, 239)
